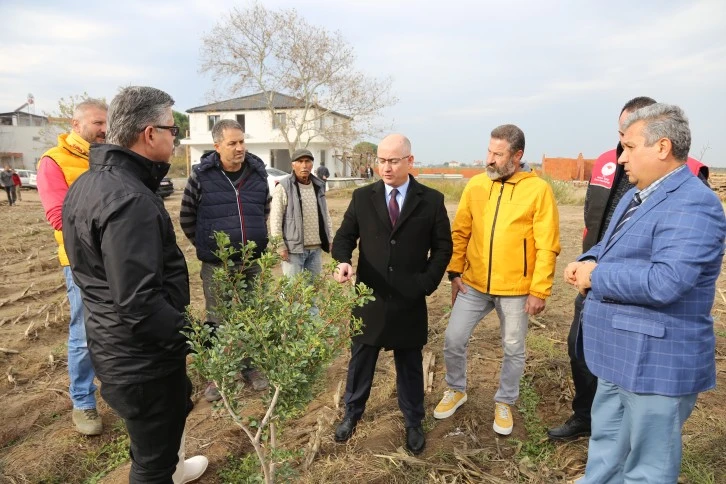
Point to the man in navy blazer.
(650, 283)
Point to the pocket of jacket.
(642, 326)
(525, 257)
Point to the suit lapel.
(413, 198)
(652, 201)
(378, 199)
(660, 194)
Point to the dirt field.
(38, 442)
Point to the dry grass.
(704, 441)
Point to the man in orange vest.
(59, 167)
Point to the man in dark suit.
(404, 240)
(650, 283)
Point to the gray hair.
(88, 103)
(132, 110)
(511, 134)
(663, 121)
(221, 125)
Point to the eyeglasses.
(391, 161)
(174, 130)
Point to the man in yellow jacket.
(58, 168)
(506, 241)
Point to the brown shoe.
(211, 393)
(87, 421)
(256, 379)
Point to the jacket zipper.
(491, 240)
(525, 257)
(239, 209)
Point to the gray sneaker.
(256, 379)
(87, 421)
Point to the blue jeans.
(635, 437)
(80, 368)
(468, 310)
(310, 260)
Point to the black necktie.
(629, 211)
(393, 210)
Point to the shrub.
(289, 328)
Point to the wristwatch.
(454, 275)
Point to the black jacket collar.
(106, 156)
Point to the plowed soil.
(39, 444)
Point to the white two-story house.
(263, 135)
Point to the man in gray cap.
(299, 214)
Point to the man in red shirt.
(57, 170)
(18, 184)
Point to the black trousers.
(155, 413)
(409, 381)
(585, 382)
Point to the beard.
(91, 136)
(498, 172)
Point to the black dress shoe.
(345, 429)
(415, 439)
(574, 427)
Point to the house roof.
(22, 115)
(255, 102)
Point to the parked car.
(166, 187)
(28, 178)
(274, 176)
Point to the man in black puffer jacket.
(227, 192)
(135, 287)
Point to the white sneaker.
(194, 467)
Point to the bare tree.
(278, 51)
(704, 149)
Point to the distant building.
(454, 164)
(568, 169)
(20, 138)
(262, 130)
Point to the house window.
(280, 159)
(212, 119)
(279, 120)
(241, 121)
(322, 157)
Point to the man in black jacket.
(404, 239)
(135, 287)
(608, 184)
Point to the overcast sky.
(559, 70)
